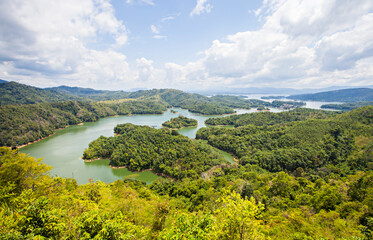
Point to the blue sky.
(187, 44)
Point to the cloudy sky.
(187, 44)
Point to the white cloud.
(160, 37)
(154, 29)
(302, 43)
(148, 2)
(49, 38)
(202, 6)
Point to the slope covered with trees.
(235, 202)
(16, 93)
(162, 150)
(314, 147)
(21, 124)
(346, 106)
(97, 95)
(180, 122)
(269, 118)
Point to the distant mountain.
(97, 95)
(271, 90)
(343, 95)
(2, 81)
(17, 93)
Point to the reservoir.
(64, 149)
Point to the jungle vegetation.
(346, 106)
(163, 151)
(180, 122)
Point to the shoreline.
(134, 171)
(82, 123)
(29, 143)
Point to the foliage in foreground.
(237, 203)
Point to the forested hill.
(314, 147)
(97, 95)
(16, 93)
(21, 124)
(343, 95)
(162, 150)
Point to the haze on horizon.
(189, 45)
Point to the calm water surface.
(63, 150)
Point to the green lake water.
(63, 150)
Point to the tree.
(238, 218)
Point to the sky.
(187, 44)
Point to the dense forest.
(269, 118)
(346, 106)
(232, 202)
(180, 122)
(89, 93)
(16, 93)
(343, 95)
(315, 147)
(162, 150)
(21, 124)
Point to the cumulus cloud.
(302, 43)
(50, 38)
(202, 6)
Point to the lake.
(63, 150)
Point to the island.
(141, 148)
(180, 122)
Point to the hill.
(2, 81)
(97, 95)
(298, 141)
(346, 106)
(343, 95)
(17, 93)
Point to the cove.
(64, 149)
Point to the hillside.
(21, 124)
(346, 106)
(97, 95)
(16, 93)
(292, 143)
(343, 95)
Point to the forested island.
(180, 122)
(163, 151)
